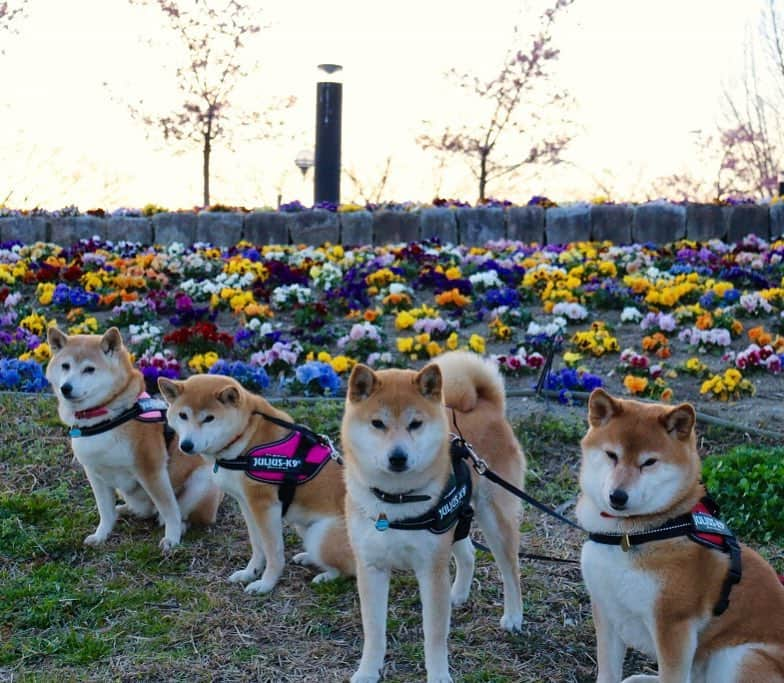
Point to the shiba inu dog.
(97, 389)
(270, 470)
(665, 576)
(406, 496)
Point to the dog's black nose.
(66, 389)
(398, 460)
(186, 446)
(618, 498)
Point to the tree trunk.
(206, 168)
(482, 175)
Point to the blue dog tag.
(75, 432)
(382, 523)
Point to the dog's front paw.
(302, 558)
(458, 598)
(243, 575)
(261, 586)
(363, 677)
(439, 678)
(512, 623)
(167, 544)
(95, 539)
(329, 575)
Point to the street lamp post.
(329, 100)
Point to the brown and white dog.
(216, 417)
(94, 381)
(396, 438)
(640, 476)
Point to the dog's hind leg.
(498, 521)
(200, 497)
(326, 546)
(463, 552)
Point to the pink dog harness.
(286, 463)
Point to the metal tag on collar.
(75, 432)
(625, 543)
(382, 523)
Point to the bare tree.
(751, 137)
(373, 192)
(521, 102)
(214, 41)
(9, 13)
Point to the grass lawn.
(124, 612)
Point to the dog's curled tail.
(469, 378)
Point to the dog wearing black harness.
(411, 495)
(666, 576)
(118, 437)
(274, 468)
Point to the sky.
(645, 75)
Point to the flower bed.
(684, 321)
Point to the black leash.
(528, 556)
(467, 451)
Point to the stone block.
(356, 228)
(439, 223)
(174, 227)
(776, 217)
(129, 229)
(659, 223)
(612, 222)
(393, 227)
(748, 219)
(220, 228)
(478, 226)
(706, 222)
(266, 227)
(68, 230)
(525, 224)
(26, 229)
(564, 224)
(313, 228)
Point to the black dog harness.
(146, 409)
(702, 526)
(285, 463)
(452, 508)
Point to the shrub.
(748, 485)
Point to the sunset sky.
(645, 75)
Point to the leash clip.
(334, 453)
(625, 543)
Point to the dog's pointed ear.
(229, 396)
(362, 383)
(169, 389)
(602, 407)
(679, 421)
(57, 339)
(429, 381)
(111, 342)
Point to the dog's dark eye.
(183, 416)
(649, 462)
(414, 424)
(66, 366)
(209, 418)
(89, 370)
(612, 455)
(378, 424)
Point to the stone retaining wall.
(657, 222)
